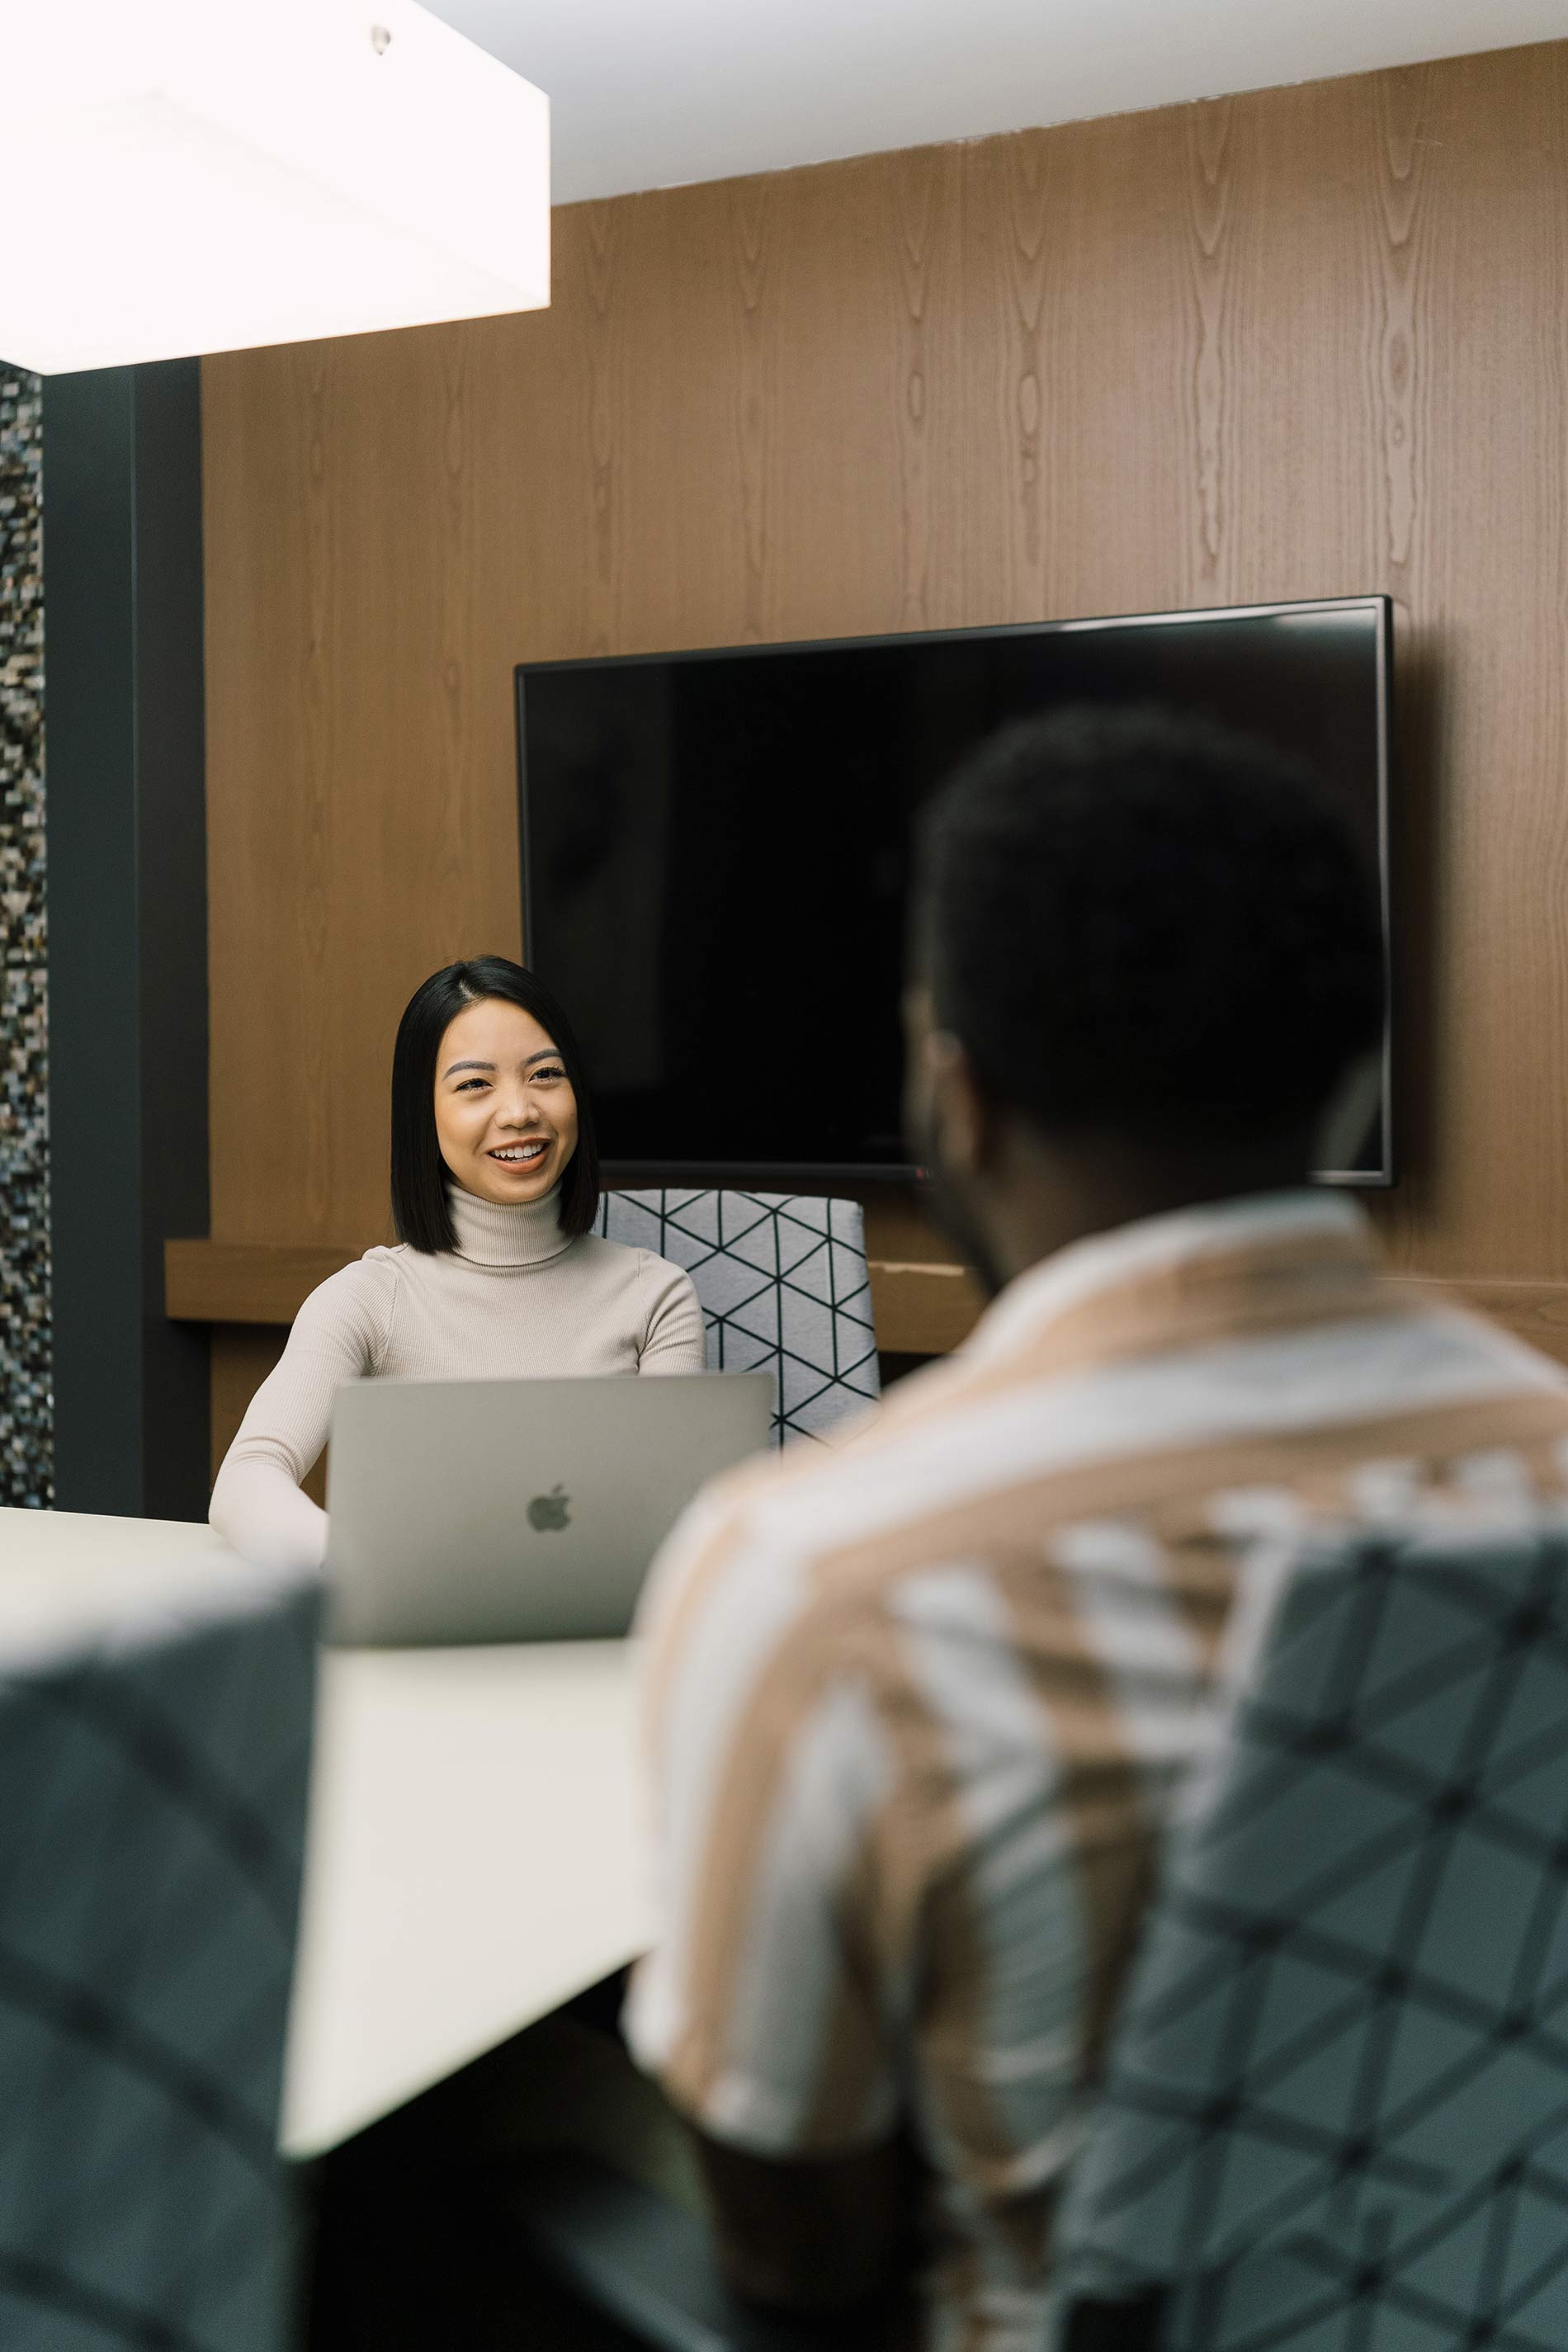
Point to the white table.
(475, 1850)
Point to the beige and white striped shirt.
(918, 1708)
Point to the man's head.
(1147, 961)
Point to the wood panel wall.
(1302, 343)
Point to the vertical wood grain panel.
(1305, 342)
(1212, 394)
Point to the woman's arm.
(673, 1337)
(339, 1335)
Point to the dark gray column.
(126, 819)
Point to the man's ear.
(1350, 1111)
(958, 1114)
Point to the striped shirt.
(919, 1707)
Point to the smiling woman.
(495, 1184)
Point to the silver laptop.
(518, 1510)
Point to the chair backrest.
(783, 1286)
(152, 1831)
(1336, 2110)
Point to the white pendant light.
(204, 176)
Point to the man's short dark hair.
(1145, 925)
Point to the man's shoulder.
(815, 1473)
(800, 1538)
(975, 1457)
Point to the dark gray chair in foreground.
(154, 1749)
(1336, 2117)
(783, 1287)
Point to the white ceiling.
(651, 93)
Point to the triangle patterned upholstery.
(783, 1285)
(1336, 2109)
(150, 1845)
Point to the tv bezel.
(783, 1175)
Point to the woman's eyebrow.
(545, 1054)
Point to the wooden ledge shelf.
(237, 1282)
(920, 1309)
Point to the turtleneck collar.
(488, 1233)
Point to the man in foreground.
(918, 1708)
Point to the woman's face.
(506, 1117)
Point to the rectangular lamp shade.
(203, 175)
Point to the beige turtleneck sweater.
(513, 1301)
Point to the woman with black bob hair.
(497, 1273)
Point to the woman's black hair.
(420, 1207)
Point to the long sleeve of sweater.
(338, 1334)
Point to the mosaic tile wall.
(25, 1399)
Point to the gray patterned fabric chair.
(783, 1284)
(1336, 2116)
(153, 1758)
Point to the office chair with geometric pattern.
(783, 1287)
(1336, 2112)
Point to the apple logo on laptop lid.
(547, 1513)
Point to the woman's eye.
(469, 1085)
(550, 1071)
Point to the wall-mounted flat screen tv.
(716, 852)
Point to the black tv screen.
(716, 852)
